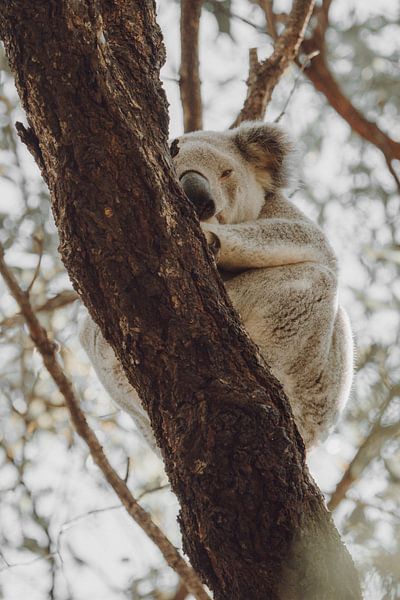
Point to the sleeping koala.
(279, 270)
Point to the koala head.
(228, 175)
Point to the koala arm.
(111, 374)
(269, 242)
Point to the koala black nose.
(197, 189)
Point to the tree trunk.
(254, 524)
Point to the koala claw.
(213, 241)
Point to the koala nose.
(197, 189)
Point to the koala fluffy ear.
(269, 150)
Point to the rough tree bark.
(48, 351)
(254, 524)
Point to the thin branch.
(157, 488)
(59, 301)
(319, 74)
(323, 80)
(48, 351)
(280, 17)
(181, 593)
(322, 13)
(306, 61)
(366, 452)
(393, 172)
(386, 511)
(189, 77)
(264, 76)
(268, 8)
(39, 243)
(71, 522)
(127, 470)
(27, 563)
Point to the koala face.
(227, 174)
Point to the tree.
(160, 181)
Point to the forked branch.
(319, 73)
(263, 76)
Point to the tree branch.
(189, 77)
(253, 523)
(59, 301)
(181, 592)
(48, 351)
(366, 452)
(268, 7)
(264, 76)
(319, 74)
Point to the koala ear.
(269, 150)
(174, 147)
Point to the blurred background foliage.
(63, 535)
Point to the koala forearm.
(271, 243)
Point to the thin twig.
(39, 242)
(280, 17)
(264, 76)
(387, 511)
(307, 59)
(393, 172)
(68, 524)
(48, 351)
(27, 563)
(127, 471)
(157, 488)
(189, 76)
(59, 301)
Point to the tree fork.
(254, 525)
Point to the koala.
(278, 268)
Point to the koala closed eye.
(226, 173)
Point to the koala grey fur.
(279, 270)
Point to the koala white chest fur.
(279, 270)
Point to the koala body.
(279, 270)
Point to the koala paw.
(213, 240)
